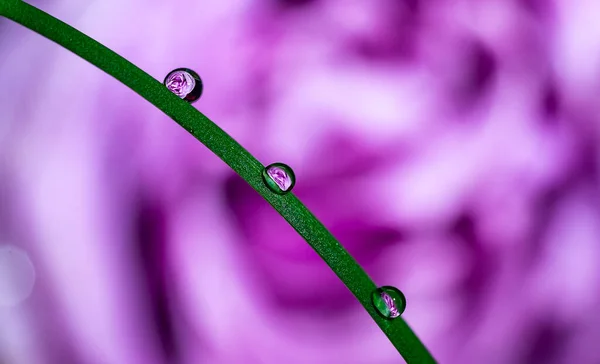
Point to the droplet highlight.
(279, 178)
(184, 83)
(389, 301)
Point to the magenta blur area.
(450, 145)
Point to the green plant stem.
(242, 162)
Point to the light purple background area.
(450, 146)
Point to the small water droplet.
(279, 178)
(389, 301)
(184, 83)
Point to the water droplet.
(17, 275)
(184, 83)
(279, 178)
(389, 301)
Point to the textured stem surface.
(232, 153)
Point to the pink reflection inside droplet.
(280, 177)
(181, 83)
(389, 302)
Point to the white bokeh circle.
(17, 275)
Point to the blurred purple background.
(451, 147)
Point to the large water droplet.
(389, 301)
(184, 83)
(17, 275)
(279, 178)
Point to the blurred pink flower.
(450, 146)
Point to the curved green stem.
(242, 162)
